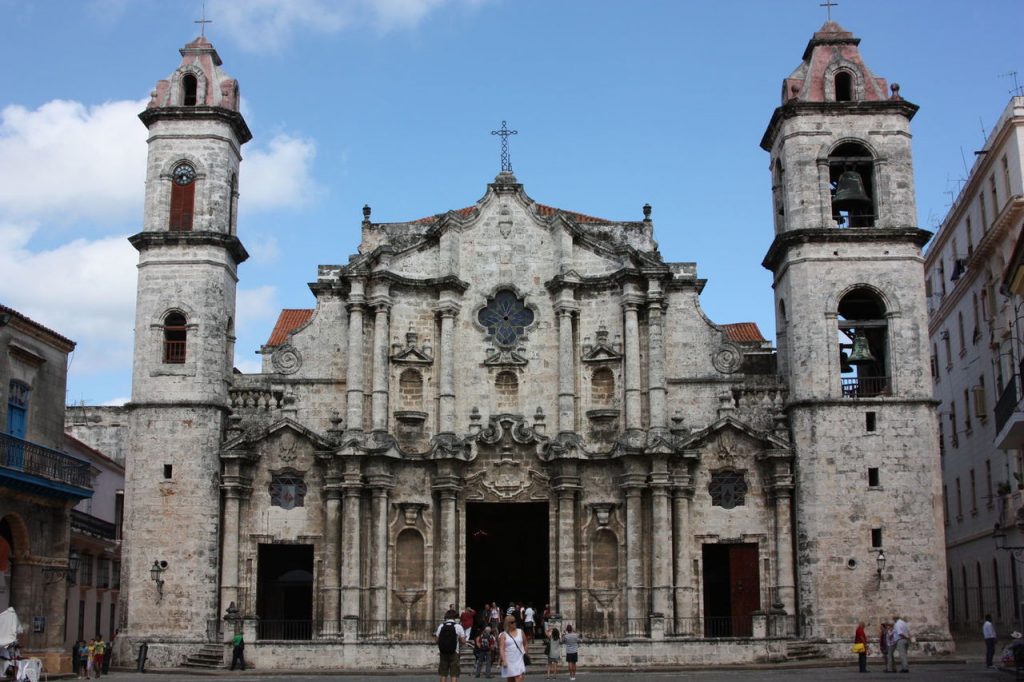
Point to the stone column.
(332, 543)
(566, 373)
(446, 574)
(229, 548)
(381, 332)
(682, 493)
(630, 306)
(785, 578)
(351, 574)
(632, 485)
(354, 374)
(380, 485)
(448, 310)
(566, 487)
(656, 358)
(661, 544)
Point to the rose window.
(506, 318)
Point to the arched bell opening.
(851, 186)
(863, 345)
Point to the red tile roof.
(289, 320)
(744, 332)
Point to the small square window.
(870, 421)
(167, 471)
(876, 538)
(873, 477)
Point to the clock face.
(184, 174)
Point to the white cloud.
(84, 290)
(269, 25)
(278, 176)
(256, 307)
(66, 161)
(263, 250)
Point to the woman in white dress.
(512, 645)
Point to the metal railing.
(87, 524)
(398, 630)
(38, 460)
(865, 387)
(613, 628)
(1008, 403)
(286, 629)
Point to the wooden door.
(744, 588)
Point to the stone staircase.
(467, 660)
(209, 656)
(803, 650)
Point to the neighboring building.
(514, 401)
(92, 606)
(975, 338)
(39, 484)
(102, 427)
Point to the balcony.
(865, 387)
(1009, 414)
(87, 524)
(34, 468)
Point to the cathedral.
(513, 401)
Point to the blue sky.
(391, 102)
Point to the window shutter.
(182, 206)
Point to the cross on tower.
(828, 5)
(506, 164)
(203, 22)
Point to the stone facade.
(519, 382)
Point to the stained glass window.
(506, 317)
(728, 488)
(287, 490)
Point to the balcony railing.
(37, 460)
(1007, 405)
(87, 524)
(865, 387)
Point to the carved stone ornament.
(602, 512)
(727, 359)
(286, 359)
(287, 447)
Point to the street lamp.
(880, 562)
(155, 573)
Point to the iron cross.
(828, 5)
(506, 164)
(203, 22)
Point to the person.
(99, 654)
(238, 651)
(860, 637)
(484, 646)
(883, 646)
(512, 644)
(901, 633)
(449, 636)
(108, 653)
(528, 621)
(75, 659)
(467, 618)
(554, 650)
(90, 654)
(495, 622)
(83, 659)
(988, 632)
(571, 640)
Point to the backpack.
(448, 639)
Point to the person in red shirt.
(467, 618)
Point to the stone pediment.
(251, 438)
(412, 356)
(728, 433)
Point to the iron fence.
(398, 630)
(865, 387)
(968, 607)
(1007, 404)
(38, 460)
(286, 629)
(613, 628)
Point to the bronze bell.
(850, 192)
(861, 353)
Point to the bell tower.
(188, 260)
(851, 323)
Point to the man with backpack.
(450, 635)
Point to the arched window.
(851, 183)
(189, 86)
(602, 387)
(183, 197)
(995, 588)
(844, 86)
(863, 345)
(981, 590)
(410, 390)
(506, 391)
(175, 337)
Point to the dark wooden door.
(744, 588)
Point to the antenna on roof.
(1018, 90)
(984, 133)
(964, 159)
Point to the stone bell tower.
(852, 339)
(184, 336)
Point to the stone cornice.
(792, 109)
(232, 118)
(229, 242)
(834, 235)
